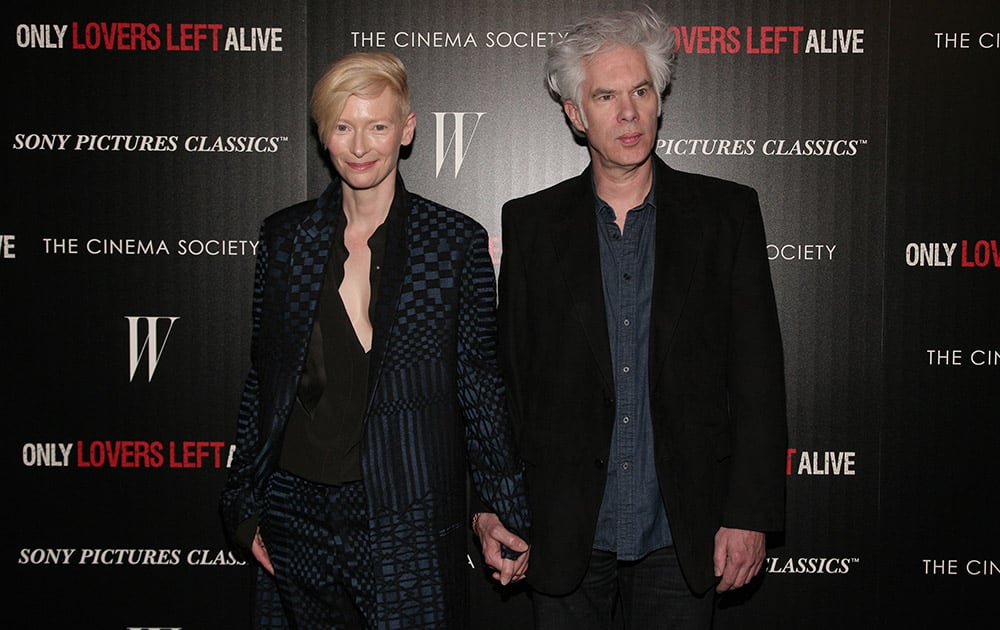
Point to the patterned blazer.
(437, 407)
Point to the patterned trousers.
(317, 538)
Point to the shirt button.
(625, 420)
(626, 369)
(625, 466)
(628, 322)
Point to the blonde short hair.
(362, 74)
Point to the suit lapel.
(307, 265)
(678, 247)
(574, 237)
(390, 284)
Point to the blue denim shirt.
(632, 521)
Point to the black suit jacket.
(715, 375)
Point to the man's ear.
(573, 113)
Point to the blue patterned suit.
(437, 405)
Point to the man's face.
(621, 108)
(364, 144)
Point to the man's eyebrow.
(601, 91)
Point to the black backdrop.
(147, 140)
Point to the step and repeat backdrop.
(146, 141)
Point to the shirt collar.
(601, 206)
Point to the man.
(373, 389)
(640, 343)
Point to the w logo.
(150, 344)
(445, 141)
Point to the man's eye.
(642, 91)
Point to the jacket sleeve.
(497, 472)
(756, 385)
(512, 312)
(238, 503)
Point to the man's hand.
(739, 555)
(260, 552)
(492, 534)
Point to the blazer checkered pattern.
(437, 406)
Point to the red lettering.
(108, 32)
(196, 454)
(984, 254)
(705, 40)
(114, 450)
(97, 453)
(189, 37)
(119, 454)
(80, 462)
(115, 36)
(77, 45)
(771, 39)
(156, 455)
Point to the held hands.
(260, 552)
(492, 534)
(739, 555)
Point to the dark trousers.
(317, 538)
(647, 594)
